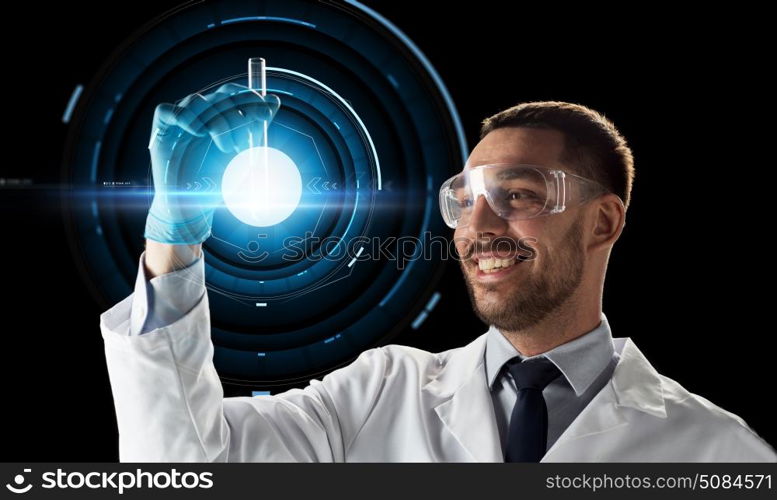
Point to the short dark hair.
(593, 147)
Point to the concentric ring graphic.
(369, 126)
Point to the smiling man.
(554, 174)
(547, 382)
(562, 283)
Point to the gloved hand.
(185, 196)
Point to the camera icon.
(19, 481)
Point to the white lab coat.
(393, 403)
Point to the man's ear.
(609, 217)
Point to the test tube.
(257, 80)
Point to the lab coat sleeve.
(743, 444)
(170, 405)
(166, 298)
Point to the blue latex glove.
(185, 197)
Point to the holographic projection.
(315, 123)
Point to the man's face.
(524, 293)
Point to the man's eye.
(521, 195)
(465, 203)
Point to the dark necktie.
(527, 438)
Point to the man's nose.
(485, 221)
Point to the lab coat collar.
(462, 386)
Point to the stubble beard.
(538, 296)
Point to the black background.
(682, 281)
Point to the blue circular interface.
(370, 127)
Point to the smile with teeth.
(494, 264)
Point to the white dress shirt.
(586, 364)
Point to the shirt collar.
(580, 360)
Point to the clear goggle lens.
(513, 192)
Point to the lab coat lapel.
(634, 384)
(461, 399)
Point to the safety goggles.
(513, 191)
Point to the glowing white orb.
(261, 186)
